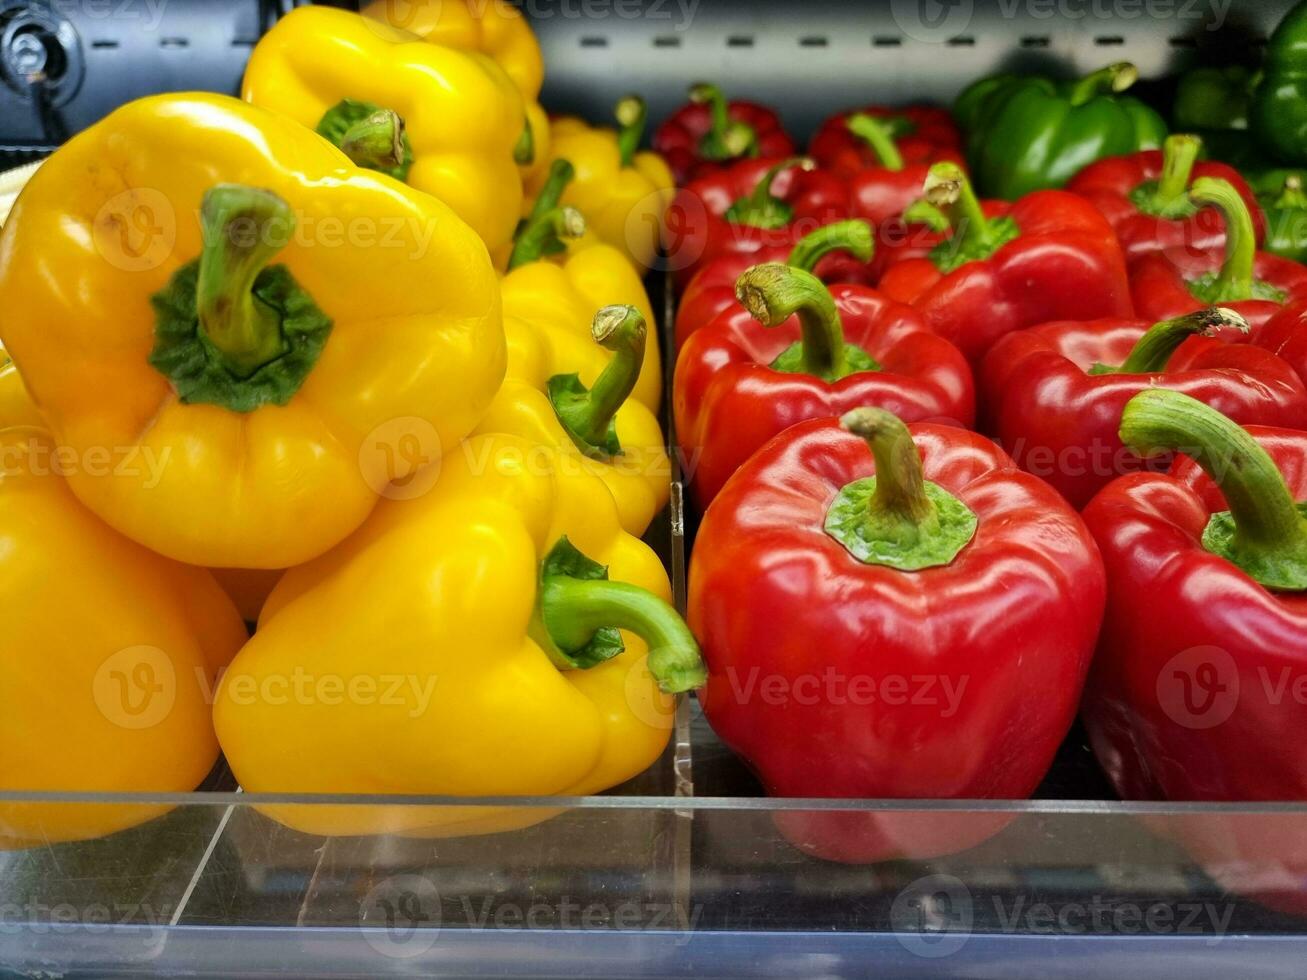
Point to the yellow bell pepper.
(553, 288)
(109, 657)
(616, 439)
(492, 27)
(444, 121)
(16, 407)
(623, 192)
(241, 385)
(491, 665)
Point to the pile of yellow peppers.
(363, 361)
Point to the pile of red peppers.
(970, 469)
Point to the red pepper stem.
(576, 609)
(1154, 349)
(877, 135)
(1235, 280)
(1179, 154)
(620, 329)
(632, 116)
(922, 212)
(773, 292)
(1264, 532)
(900, 496)
(762, 208)
(544, 234)
(1114, 78)
(725, 140)
(851, 236)
(244, 227)
(948, 189)
(376, 142)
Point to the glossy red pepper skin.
(696, 230)
(879, 194)
(774, 600)
(678, 138)
(1159, 286)
(1060, 423)
(1108, 184)
(1285, 333)
(924, 134)
(1182, 702)
(728, 401)
(1065, 264)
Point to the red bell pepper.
(1053, 394)
(746, 208)
(884, 190)
(713, 287)
(1285, 333)
(798, 350)
(1253, 283)
(921, 134)
(1192, 695)
(1144, 197)
(921, 635)
(1049, 256)
(710, 133)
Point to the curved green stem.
(1291, 196)
(1114, 78)
(896, 518)
(1153, 350)
(854, 237)
(1168, 196)
(244, 227)
(974, 235)
(763, 209)
(922, 212)
(524, 150)
(632, 116)
(1264, 532)
(589, 416)
(548, 226)
(726, 140)
(876, 134)
(1235, 280)
(774, 292)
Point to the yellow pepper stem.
(376, 141)
(244, 228)
(524, 150)
(632, 116)
(589, 415)
(549, 226)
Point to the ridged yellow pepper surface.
(498, 634)
(16, 406)
(272, 353)
(108, 658)
(623, 192)
(444, 121)
(557, 278)
(493, 27)
(617, 439)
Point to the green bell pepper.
(1029, 133)
(1280, 193)
(1279, 107)
(1213, 98)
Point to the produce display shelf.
(683, 871)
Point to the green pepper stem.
(1179, 154)
(922, 212)
(1154, 349)
(948, 189)
(762, 208)
(632, 116)
(1291, 196)
(851, 236)
(244, 227)
(1270, 534)
(545, 234)
(1113, 78)
(876, 134)
(620, 329)
(1235, 280)
(560, 175)
(377, 141)
(578, 608)
(524, 150)
(726, 139)
(773, 292)
(899, 510)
